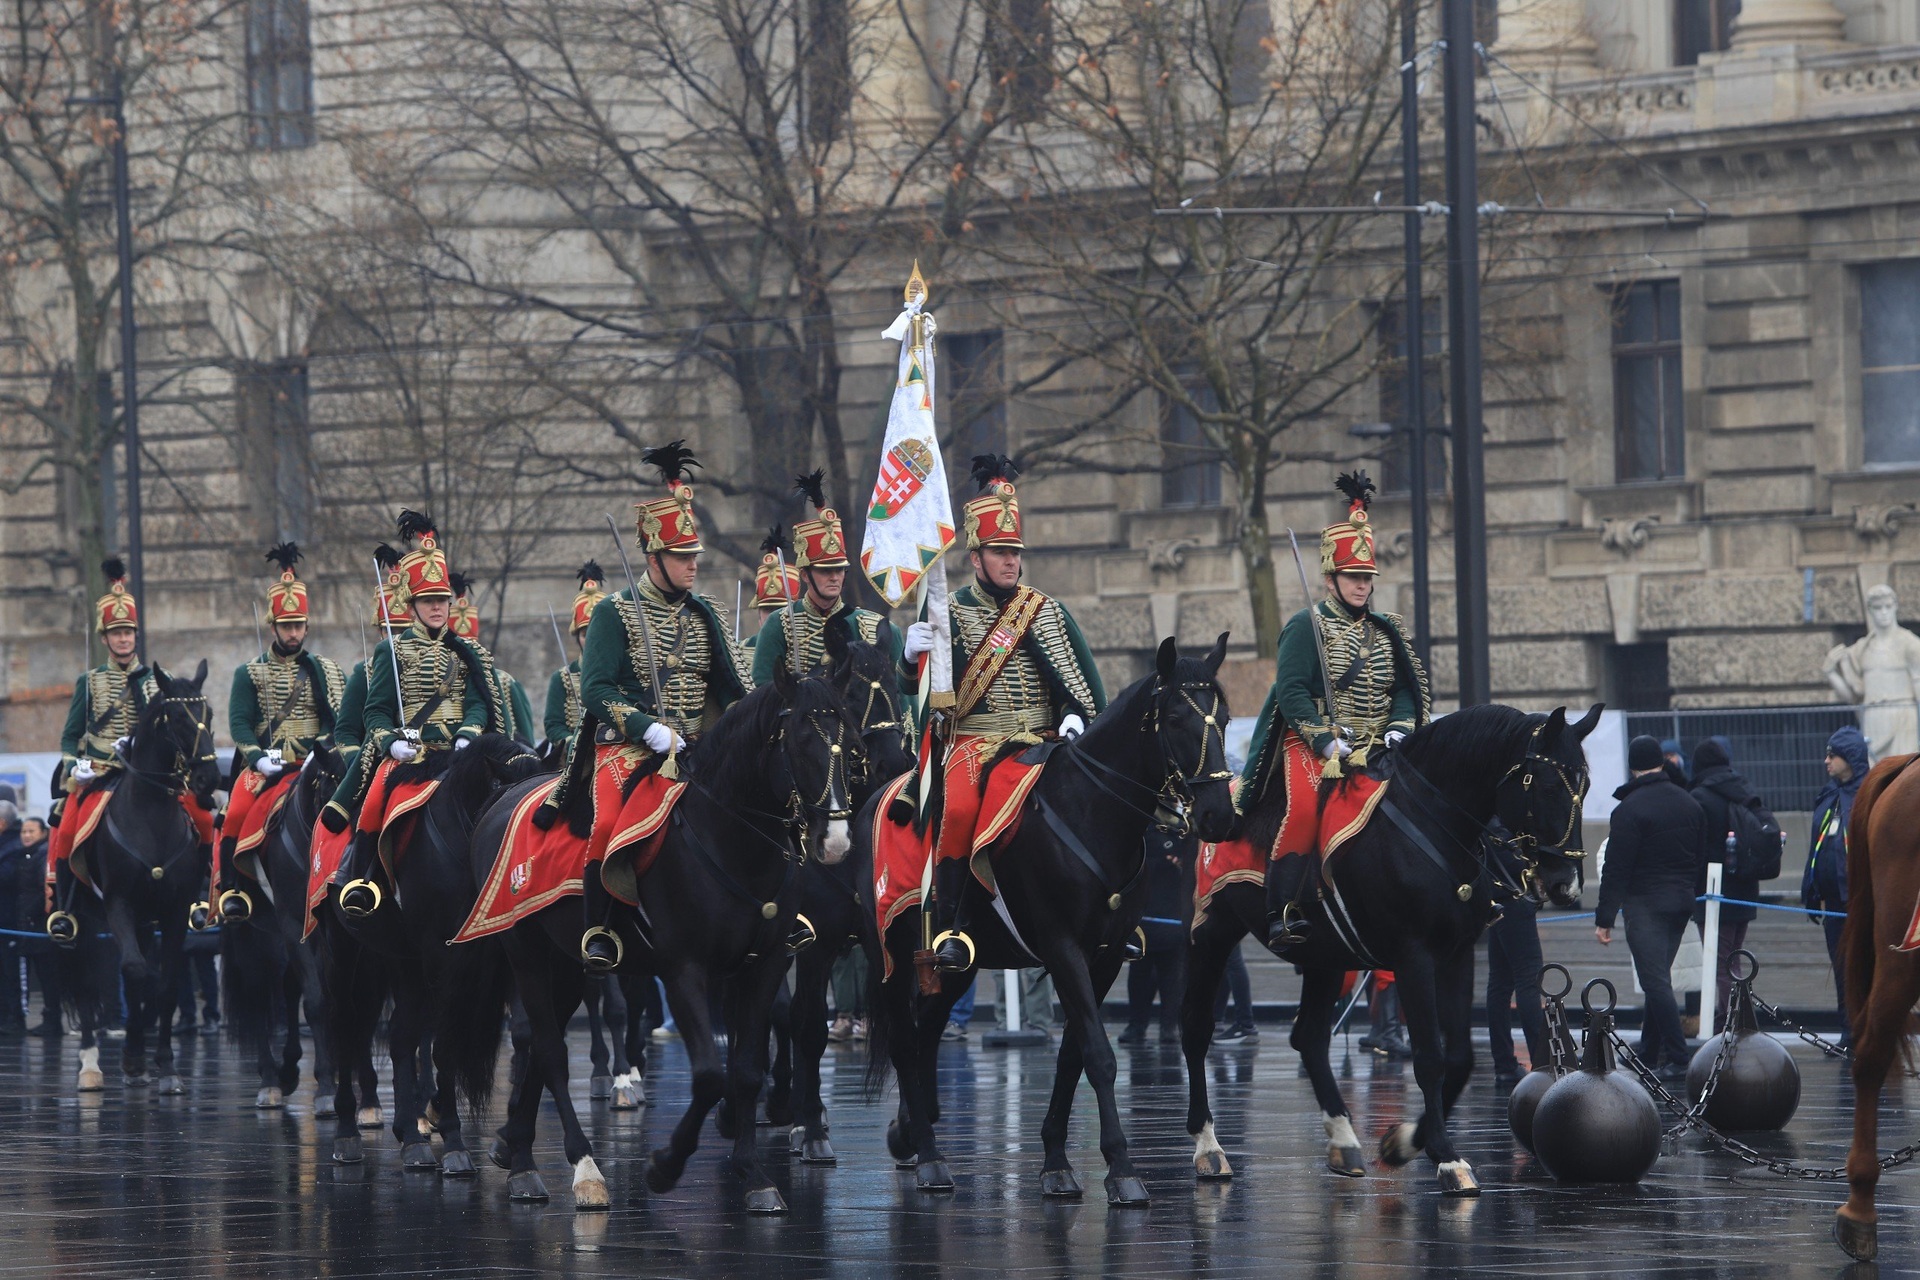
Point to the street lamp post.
(1413, 385)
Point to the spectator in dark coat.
(1656, 855)
(1824, 885)
(13, 857)
(31, 904)
(1168, 878)
(1717, 787)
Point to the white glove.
(1338, 747)
(268, 765)
(1072, 726)
(661, 740)
(461, 744)
(121, 744)
(402, 750)
(83, 771)
(921, 638)
(1394, 738)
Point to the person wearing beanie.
(1720, 790)
(1656, 855)
(1823, 887)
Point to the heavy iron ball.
(1525, 1100)
(1597, 1124)
(1533, 1086)
(1759, 1086)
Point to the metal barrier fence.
(1779, 750)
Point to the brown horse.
(1883, 984)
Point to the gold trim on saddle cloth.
(480, 922)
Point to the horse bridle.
(1175, 792)
(174, 781)
(879, 692)
(837, 767)
(1574, 783)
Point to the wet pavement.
(123, 1183)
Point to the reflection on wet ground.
(123, 1183)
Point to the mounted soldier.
(107, 703)
(391, 616)
(565, 709)
(445, 697)
(661, 630)
(464, 622)
(1025, 674)
(797, 633)
(776, 584)
(1300, 743)
(283, 703)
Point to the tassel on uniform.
(670, 767)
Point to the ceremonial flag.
(910, 517)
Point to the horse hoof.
(140, 1081)
(765, 1200)
(269, 1099)
(627, 1096)
(818, 1151)
(323, 1108)
(1396, 1145)
(797, 1140)
(659, 1180)
(1126, 1192)
(1456, 1179)
(600, 1088)
(897, 1145)
(500, 1154)
(526, 1187)
(92, 1081)
(457, 1163)
(933, 1176)
(1348, 1162)
(417, 1157)
(1061, 1184)
(347, 1150)
(1212, 1166)
(371, 1118)
(1860, 1240)
(589, 1188)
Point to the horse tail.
(467, 1035)
(879, 1024)
(1858, 949)
(252, 960)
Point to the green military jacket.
(349, 724)
(800, 625)
(107, 702)
(1051, 673)
(451, 693)
(518, 704)
(1379, 686)
(289, 703)
(564, 710)
(694, 653)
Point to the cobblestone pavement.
(123, 1184)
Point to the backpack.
(1757, 840)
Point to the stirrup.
(1136, 944)
(947, 966)
(200, 916)
(803, 935)
(361, 913)
(237, 906)
(64, 928)
(595, 963)
(1291, 929)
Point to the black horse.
(767, 787)
(269, 968)
(146, 865)
(1412, 892)
(427, 899)
(830, 898)
(1070, 882)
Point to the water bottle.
(1731, 861)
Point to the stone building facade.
(1708, 452)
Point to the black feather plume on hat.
(775, 543)
(114, 567)
(1357, 487)
(415, 524)
(674, 459)
(386, 557)
(591, 572)
(460, 583)
(813, 485)
(988, 467)
(285, 554)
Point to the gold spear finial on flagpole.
(916, 291)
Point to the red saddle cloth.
(1321, 818)
(1219, 865)
(78, 822)
(900, 855)
(325, 854)
(536, 868)
(263, 798)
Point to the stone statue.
(1881, 672)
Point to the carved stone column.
(1547, 37)
(1801, 22)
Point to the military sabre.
(386, 618)
(1331, 767)
(258, 634)
(786, 589)
(670, 769)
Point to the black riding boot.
(953, 950)
(600, 949)
(1287, 923)
(234, 904)
(360, 896)
(62, 925)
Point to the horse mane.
(726, 759)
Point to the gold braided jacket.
(273, 677)
(1019, 703)
(805, 631)
(683, 650)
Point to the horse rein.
(174, 781)
(1576, 790)
(1170, 798)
